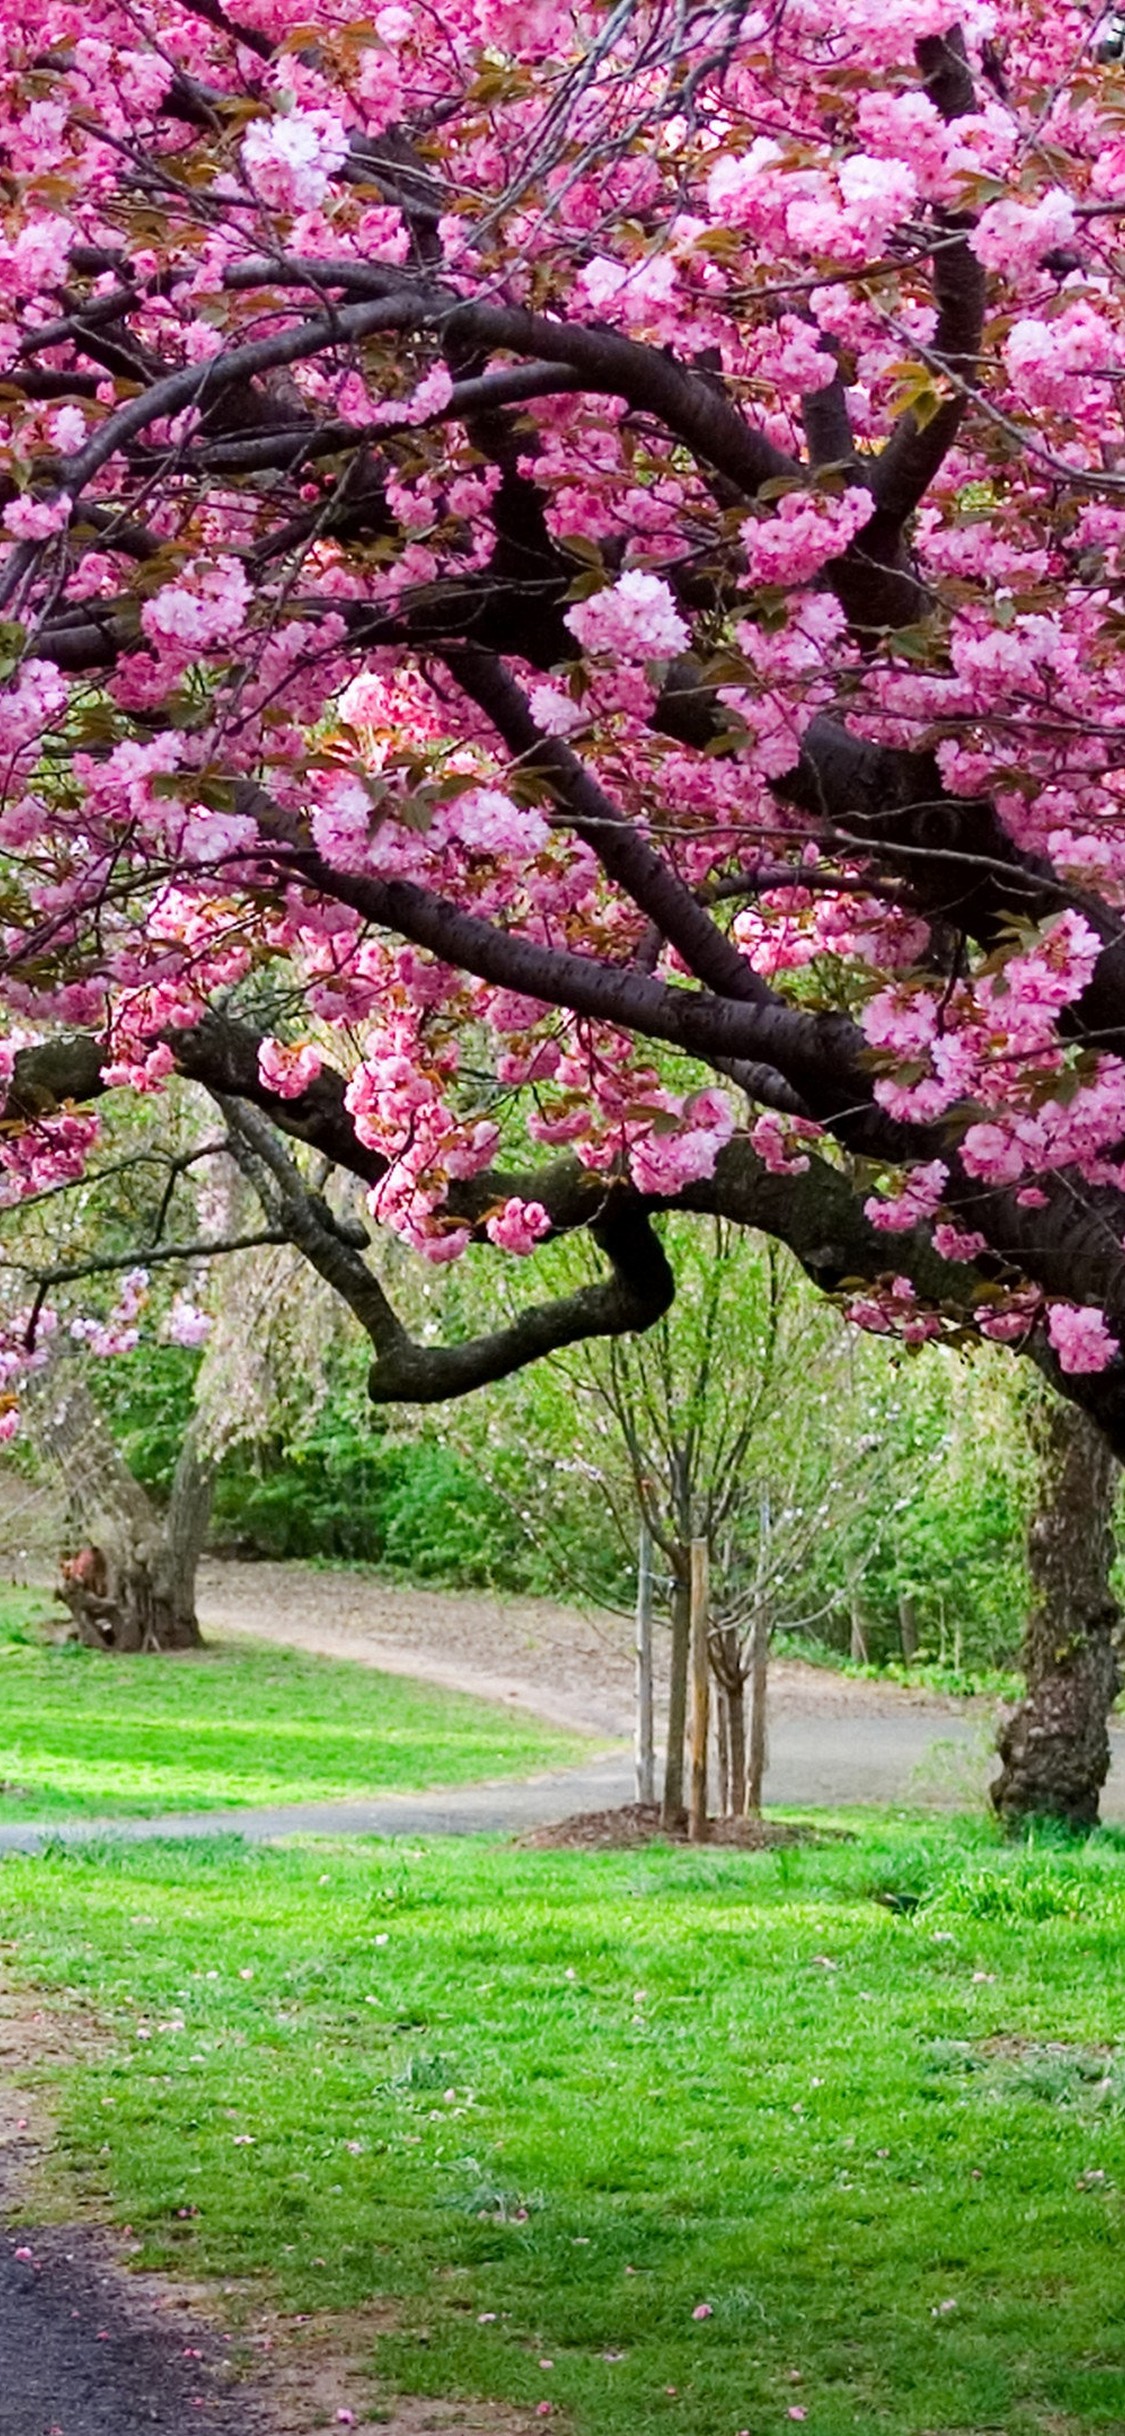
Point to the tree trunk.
(128, 1578)
(1055, 1745)
(722, 1751)
(644, 1754)
(672, 1806)
(730, 1713)
(858, 1636)
(736, 1728)
(698, 1824)
(759, 1687)
(908, 1628)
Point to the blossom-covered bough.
(563, 585)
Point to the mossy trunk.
(128, 1576)
(1054, 1748)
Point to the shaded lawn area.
(675, 2141)
(231, 1727)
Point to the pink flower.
(519, 1226)
(807, 529)
(1013, 237)
(988, 1151)
(186, 1324)
(958, 1243)
(488, 821)
(877, 195)
(432, 394)
(290, 160)
(206, 605)
(554, 711)
(287, 1070)
(30, 519)
(796, 2410)
(634, 619)
(703, 2310)
(1080, 1337)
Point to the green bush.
(372, 1499)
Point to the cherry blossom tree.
(563, 579)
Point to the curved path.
(80, 2360)
(835, 1741)
(928, 1755)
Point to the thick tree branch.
(637, 1293)
(625, 856)
(912, 456)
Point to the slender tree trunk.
(672, 1806)
(722, 1750)
(643, 1747)
(759, 1689)
(700, 1690)
(736, 1726)
(908, 1628)
(730, 1712)
(1054, 1748)
(858, 1636)
(129, 1575)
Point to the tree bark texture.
(759, 1693)
(727, 1667)
(698, 1823)
(128, 1578)
(672, 1806)
(1054, 1748)
(643, 1743)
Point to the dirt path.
(834, 1740)
(80, 2360)
(572, 1669)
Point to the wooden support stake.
(700, 1690)
(644, 1748)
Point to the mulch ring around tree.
(637, 1823)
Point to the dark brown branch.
(915, 451)
(624, 855)
(637, 1294)
(608, 364)
(142, 1256)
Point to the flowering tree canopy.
(563, 584)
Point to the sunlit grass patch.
(232, 1726)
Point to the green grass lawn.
(683, 2142)
(81, 1733)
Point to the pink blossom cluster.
(519, 1226)
(288, 1067)
(186, 1324)
(807, 530)
(290, 160)
(118, 1331)
(633, 619)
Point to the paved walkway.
(925, 1755)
